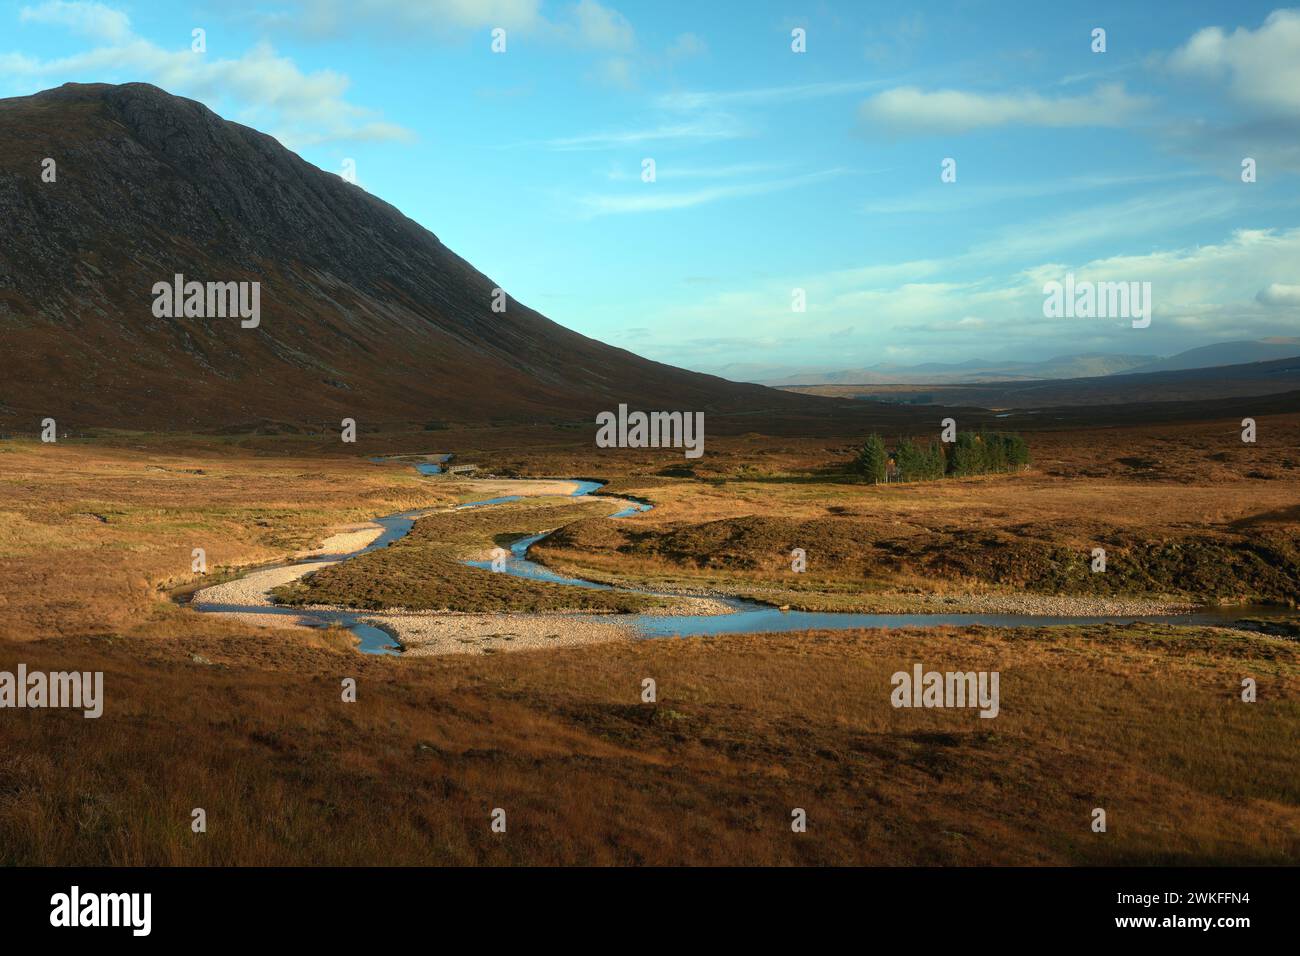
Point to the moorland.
(1143, 719)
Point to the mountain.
(974, 370)
(1226, 353)
(1279, 380)
(977, 371)
(363, 312)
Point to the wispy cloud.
(585, 23)
(701, 129)
(908, 110)
(89, 19)
(707, 116)
(671, 171)
(1122, 224)
(1241, 287)
(943, 200)
(267, 89)
(332, 18)
(652, 199)
(763, 96)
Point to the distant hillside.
(975, 370)
(1182, 385)
(1089, 365)
(1226, 353)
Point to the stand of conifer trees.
(973, 453)
(872, 459)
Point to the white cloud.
(1202, 295)
(91, 19)
(1262, 66)
(267, 90)
(1279, 294)
(907, 109)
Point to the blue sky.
(776, 170)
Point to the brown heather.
(1145, 721)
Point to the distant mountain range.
(1089, 365)
(1277, 379)
(1226, 353)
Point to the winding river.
(745, 616)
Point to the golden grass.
(1144, 722)
(247, 723)
(1189, 524)
(91, 536)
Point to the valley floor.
(1145, 721)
